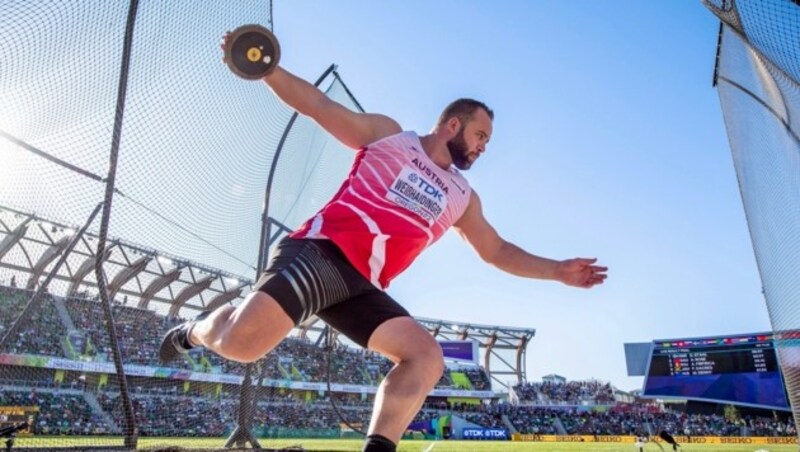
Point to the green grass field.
(405, 446)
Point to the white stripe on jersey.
(316, 226)
(378, 257)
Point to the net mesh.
(195, 151)
(758, 79)
(135, 97)
(312, 165)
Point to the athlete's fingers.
(593, 281)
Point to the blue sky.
(608, 142)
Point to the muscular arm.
(353, 129)
(493, 249)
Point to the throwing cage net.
(135, 170)
(758, 79)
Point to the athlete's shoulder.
(381, 127)
(405, 139)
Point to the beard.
(459, 151)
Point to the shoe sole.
(168, 351)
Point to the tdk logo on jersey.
(432, 174)
(413, 192)
(425, 186)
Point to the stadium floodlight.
(164, 260)
(69, 232)
(232, 281)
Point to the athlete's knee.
(410, 346)
(429, 361)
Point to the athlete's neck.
(436, 148)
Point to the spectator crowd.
(75, 328)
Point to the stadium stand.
(570, 393)
(295, 358)
(79, 403)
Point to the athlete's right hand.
(580, 272)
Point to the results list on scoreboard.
(718, 359)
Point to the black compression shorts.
(309, 276)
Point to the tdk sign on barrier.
(485, 433)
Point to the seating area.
(140, 330)
(569, 393)
(60, 413)
(30, 336)
(183, 408)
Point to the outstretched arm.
(353, 129)
(475, 230)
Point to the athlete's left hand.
(580, 272)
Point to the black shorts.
(308, 277)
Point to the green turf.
(405, 446)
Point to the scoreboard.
(466, 350)
(15, 415)
(714, 356)
(741, 369)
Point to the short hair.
(463, 109)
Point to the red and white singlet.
(395, 203)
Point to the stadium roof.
(503, 349)
(31, 248)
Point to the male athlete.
(403, 192)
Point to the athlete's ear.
(453, 126)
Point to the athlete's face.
(471, 140)
(459, 151)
